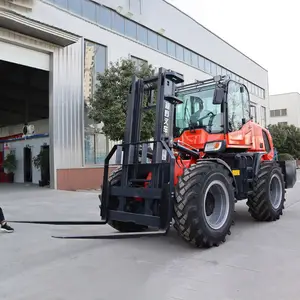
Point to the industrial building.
(285, 109)
(50, 54)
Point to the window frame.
(283, 123)
(75, 12)
(266, 141)
(128, 24)
(254, 106)
(91, 134)
(263, 116)
(138, 61)
(246, 92)
(85, 14)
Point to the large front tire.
(204, 205)
(267, 200)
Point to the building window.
(194, 60)
(135, 5)
(138, 61)
(75, 7)
(278, 112)
(171, 48)
(187, 56)
(108, 18)
(131, 29)
(201, 62)
(179, 52)
(207, 66)
(142, 34)
(104, 16)
(119, 23)
(61, 3)
(263, 116)
(282, 123)
(162, 44)
(89, 10)
(283, 112)
(213, 70)
(152, 39)
(253, 111)
(95, 61)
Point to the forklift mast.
(133, 155)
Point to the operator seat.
(197, 115)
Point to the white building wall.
(152, 14)
(158, 14)
(290, 102)
(117, 46)
(175, 26)
(67, 101)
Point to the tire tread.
(185, 211)
(258, 202)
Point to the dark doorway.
(24, 94)
(27, 165)
(24, 100)
(45, 166)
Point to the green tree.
(109, 103)
(286, 139)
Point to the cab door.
(240, 128)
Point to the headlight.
(214, 146)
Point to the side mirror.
(218, 96)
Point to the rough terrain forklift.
(206, 154)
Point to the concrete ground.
(258, 261)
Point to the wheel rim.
(216, 204)
(275, 191)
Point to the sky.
(267, 31)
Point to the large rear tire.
(267, 200)
(115, 179)
(204, 205)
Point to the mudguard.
(289, 170)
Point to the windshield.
(198, 111)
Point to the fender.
(256, 162)
(222, 162)
(289, 170)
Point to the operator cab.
(209, 104)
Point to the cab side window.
(266, 141)
(238, 106)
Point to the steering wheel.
(211, 114)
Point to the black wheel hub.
(210, 204)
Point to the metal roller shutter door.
(24, 56)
